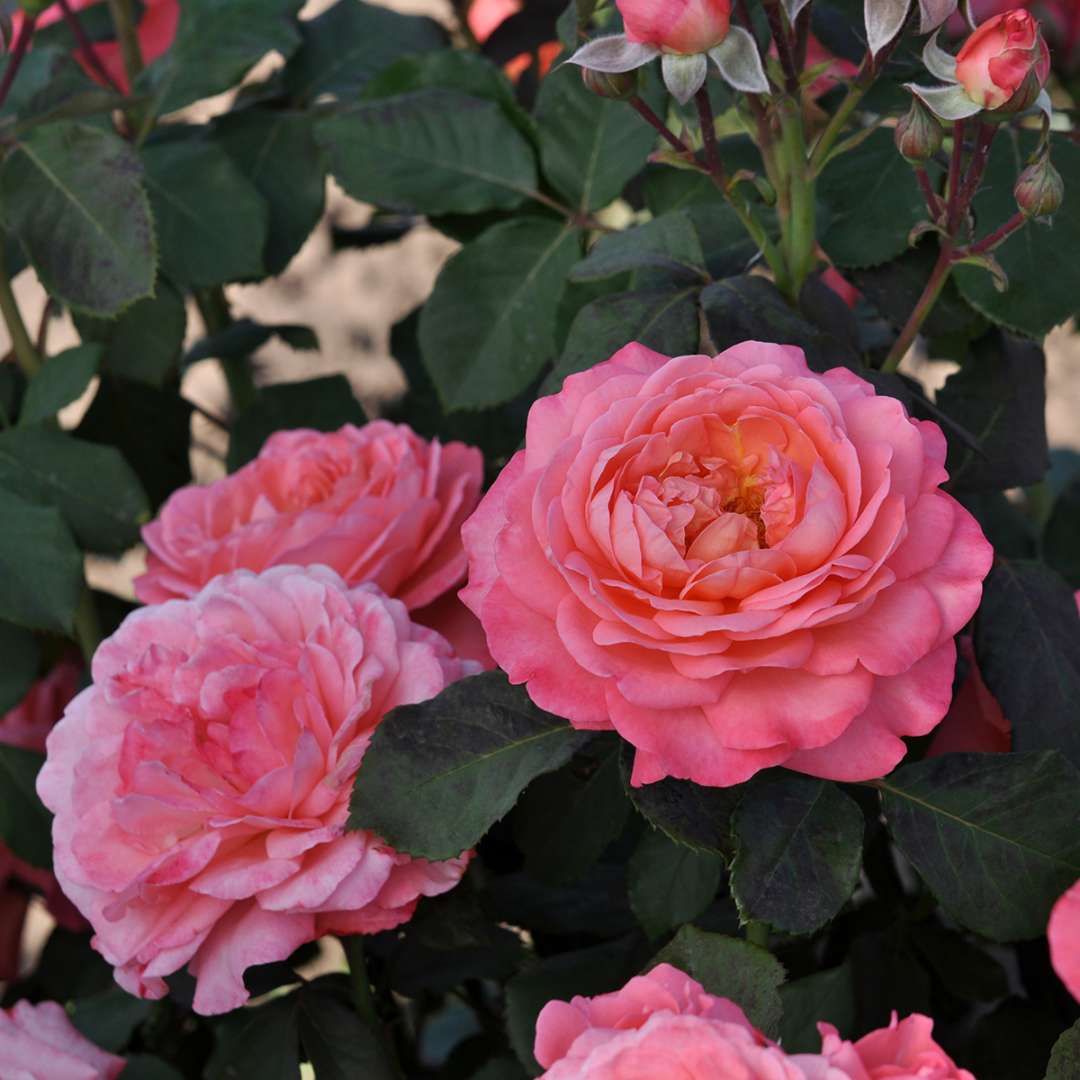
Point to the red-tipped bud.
(1005, 62)
(918, 134)
(1039, 189)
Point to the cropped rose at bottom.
(39, 1042)
(200, 787)
(733, 561)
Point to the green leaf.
(698, 817)
(350, 43)
(109, 1019)
(73, 197)
(263, 1041)
(94, 488)
(48, 77)
(509, 281)
(663, 319)
(439, 774)
(215, 47)
(276, 150)
(993, 835)
(1037, 685)
(211, 220)
(824, 997)
(590, 147)
(25, 824)
(731, 968)
(335, 1039)
(597, 970)
(60, 381)
(565, 819)
(40, 565)
(151, 427)
(800, 849)
(433, 151)
(999, 395)
(962, 967)
(1064, 1061)
(670, 884)
(669, 243)
(324, 404)
(874, 202)
(1060, 548)
(144, 342)
(19, 649)
(1037, 259)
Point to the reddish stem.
(783, 45)
(998, 236)
(977, 166)
(933, 200)
(86, 46)
(653, 120)
(18, 51)
(953, 190)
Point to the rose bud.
(676, 26)
(1039, 189)
(1004, 64)
(918, 134)
(619, 85)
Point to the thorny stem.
(86, 46)
(645, 112)
(933, 200)
(26, 355)
(783, 45)
(18, 51)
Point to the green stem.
(25, 353)
(364, 999)
(938, 276)
(87, 627)
(214, 309)
(834, 129)
(757, 933)
(127, 35)
(800, 225)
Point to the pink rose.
(905, 1050)
(733, 561)
(1063, 933)
(974, 722)
(676, 26)
(201, 785)
(26, 726)
(376, 503)
(659, 1024)
(1005, 62)
(156, 30)
(39, 1042)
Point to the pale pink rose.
(39, 1042)
(1063, 933)
(201, 785)
(676, 26)
(1005, 61)
(156, 31)
(377, 504)
(660, 1024)
(905, 1050)
(733, 561)
(26, 726)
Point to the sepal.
(739, 62)
(613, 54)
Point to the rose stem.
(18, 51)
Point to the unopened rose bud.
(1039, 189)
(620, 85)
(918, 134)
(676, 26)
(1005, 62)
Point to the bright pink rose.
(156, 30)
(377, 504)
(1063, 933)
(733, 561)
(201, 785)
(1004, 62)
(39, 1042)
(26, 726)
(659, 1024)
(905, 1050)
(676, 26)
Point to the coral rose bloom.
(1063, 932)
(39, 1042)
(659, 1024)
(1004, 54)
(376, 503)
(201, 785)
(905, 1050)
(733, 561)
(676, 26)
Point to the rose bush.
(201, 785)
(732, 561)
(38, 1042)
